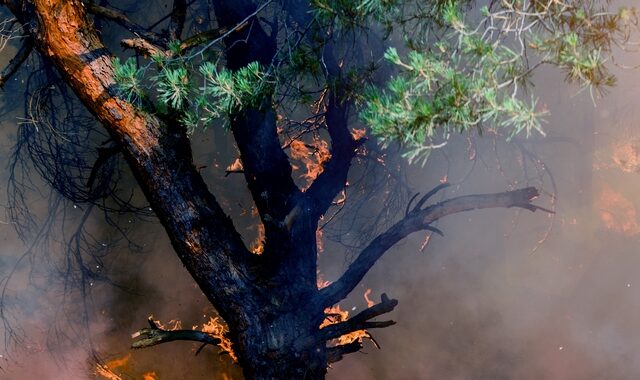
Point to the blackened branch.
(416, 220)
(178, 17)
(333, 178)
(361, 321)
(427, 196)
(153, 335)
(15, 63)
(335, 354)
(124, 21)
(265, 165)
(267, 169)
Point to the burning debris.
(106, 370)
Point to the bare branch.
(15, 63)
(153, 335)
(428, 195)
(124, 21)
(202, 37)
(421, 219)
(178, 17)
(335, 354)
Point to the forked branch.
(421, 219)
(153, 335)
(335, 354)
(124, 21)
(362, 320)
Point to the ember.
(618, 213)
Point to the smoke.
(504, 294)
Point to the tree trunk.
(283, 345)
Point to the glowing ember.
(618, 213)
(150, 376)
(342, 197)
(627, 156)
(425, 242)
(236, 166)
(366, 298)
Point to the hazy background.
(506, 294)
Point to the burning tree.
(289, 79)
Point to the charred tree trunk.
(270, 302)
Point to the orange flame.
(312, 155)
(106, 370)
(366, 298)
(257, 247)
(358, 133)
(336, 315)
(235, 167)
(217, 329)
(174, 324)
(425, 242)
(321, 282)
(149, 376)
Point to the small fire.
(257, 247)
(366, 298)
(342, 197)
(106, 370)
(358, 133)
(150, 376)
(217, 329)
(235, 167)
(312, 155)
(336, 315)
(618, 213)
(321, 282)
(172, 325)
(106, 373)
